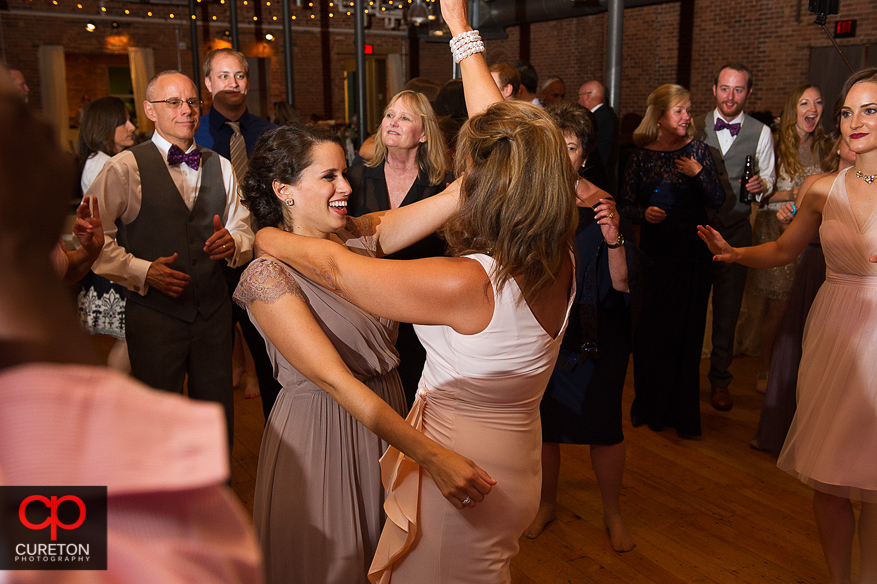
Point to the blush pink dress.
(832, 443)
(479, 396)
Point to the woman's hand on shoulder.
(458, 478)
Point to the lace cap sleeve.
(360, 234)
(265, 280)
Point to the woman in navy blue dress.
(582, 403)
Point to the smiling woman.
(408, 165)
(799, 149)
(668, 183)
(832, 443)
(317, 509)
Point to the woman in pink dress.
(491, 319)
(832, 443)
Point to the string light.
(126, 10)
(171, 15)
(193, 17)
(214, 17)
(103, 8)
(149, 14)
(255, 18)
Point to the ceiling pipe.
(496, 15)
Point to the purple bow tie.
(176, 156)
(723, 125)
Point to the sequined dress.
(776, 283)
(317, 510)
(668, 341)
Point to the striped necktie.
(238, 151)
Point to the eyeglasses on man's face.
(176, 102)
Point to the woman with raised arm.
(832, 443)
(317, 509)
(491, 318)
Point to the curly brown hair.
(281, 154)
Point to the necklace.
(868, 178)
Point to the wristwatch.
(618, 242)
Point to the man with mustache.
(732, 135)
(230, 130)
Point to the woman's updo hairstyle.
(281, 155)
(575, 120)
(517, 197)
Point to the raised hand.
(717, 244)
(165, 279)
(221, 245)
(607, 218)
(456, 15)
(88, 228)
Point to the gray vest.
(730, 164)
(165, 226)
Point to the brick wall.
(768, 35)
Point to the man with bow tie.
(172, 215)
(732, 135)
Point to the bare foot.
(546, 514)
(619, 538)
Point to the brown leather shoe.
(721, 399)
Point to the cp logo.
(53, 521)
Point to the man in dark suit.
(172, 215)
(232, 131)
(592, 95)
(732, 135)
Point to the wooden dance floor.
(710, 510)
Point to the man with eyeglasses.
(172, 217)
(229, 129)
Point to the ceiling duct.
(496, 15)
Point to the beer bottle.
(748, 173)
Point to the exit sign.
(844, 29)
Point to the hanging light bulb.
(418, 13)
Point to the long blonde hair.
(659, 102)
(517, 197)
(788, 141)
(430, 154)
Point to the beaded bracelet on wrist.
(465, 45)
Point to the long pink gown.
(479, 396)
(832, 443)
